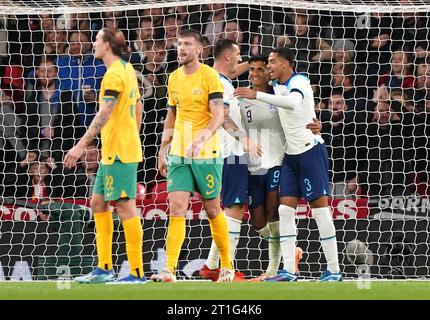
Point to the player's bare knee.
(260, 224)
(321, 202)
(212, 207)
(126, 209)
(292, 202)
(98, 204)
(177, 207)
(236, 211)
(272, 213)
(258, 219)
(212, 211)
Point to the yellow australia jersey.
(120, 135)
(189, 94)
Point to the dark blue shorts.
(305, 175)
(260, 185)
(234, 181)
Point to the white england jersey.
(262, 124)
(299, 139)
(229, 145)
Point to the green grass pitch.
(190, 290)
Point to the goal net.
(368, 62)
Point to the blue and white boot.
(98, 275)
(332, 277)
(130, 279)
(283, 275)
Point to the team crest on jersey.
(197, 91)
(273, 109)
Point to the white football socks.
(274, 249)
(327, 232)
(287, 236)
(264, 232)
(234, 226)
(212, 261)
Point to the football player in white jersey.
(261, 122)
(304, 170)
(234, 144)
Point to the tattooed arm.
(249, 145)
(230, 126)
(96, 126)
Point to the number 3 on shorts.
(210, 180)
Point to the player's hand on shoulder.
(243, 92)
(315, 126)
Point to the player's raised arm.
(290, 101)
(240, 69)
(102, 116)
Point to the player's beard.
(336, 116)
(189, 58)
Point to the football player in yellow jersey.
(196, 111)
(119, 119)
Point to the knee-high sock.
(327, 232)
(274, 248)
(212, 261)
(234, 226)
(287, 236)
(265, 232)
(219, 230)
(174, 241)
(133, 243)
(104, 234)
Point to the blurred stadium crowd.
(370, 75)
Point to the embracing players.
(304, 170)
